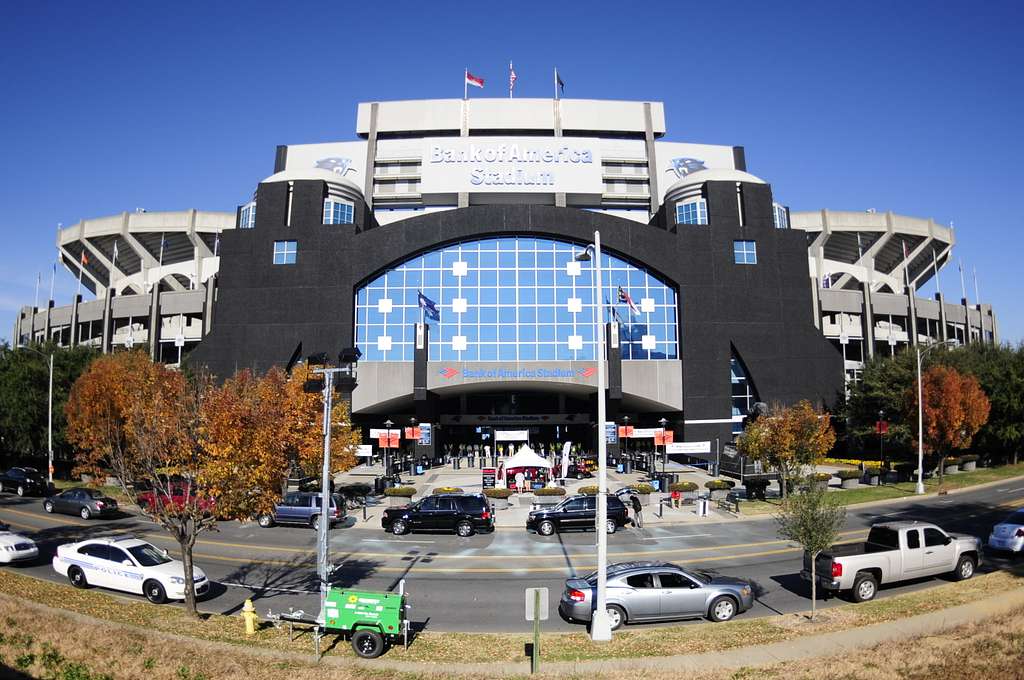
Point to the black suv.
(24, 480)
(576, 512)
(464, 514)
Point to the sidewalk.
(804, 647)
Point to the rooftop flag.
(559, 85)
(471, 80)
(511, 79)
(624, 297)
(428, 306)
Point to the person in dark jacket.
(638, 512)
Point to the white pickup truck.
(894, 551)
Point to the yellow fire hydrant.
(251, 617)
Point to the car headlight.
(178, 580)
(9, 548)
(745, 591)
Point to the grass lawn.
(865, 494)
(114, 492)
(486, 647)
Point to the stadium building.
(446, 243)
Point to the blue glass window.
(744, 252)
(247, 216)
(285, 251)
(338, 212)
(516, 293)
(780, 216)
(692, 212)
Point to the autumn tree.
(954, 409)
(788, 440)
(305, 421)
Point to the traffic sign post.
(536, 611)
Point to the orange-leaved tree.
(954, 409)
(788, 440)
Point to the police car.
(15, 547)
(128, 564)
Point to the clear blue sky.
(914, 107)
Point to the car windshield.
(148, 556)
(702, 576)
(1015, 518)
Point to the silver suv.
(657, 591)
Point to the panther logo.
(336, 164)
(684, 166)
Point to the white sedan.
(126, 564)
(1008, 534)
(15, 547)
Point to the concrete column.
(463, 199)
(943, 334)
(867, 318)
(560, 199)
(17, 327)
(816, 301)
(107, 321)
(557, 103)
(652, 169)
(981, 322)
(154, 320)
(371, 156)
(968, 328)
(211, 285)
(46, 327)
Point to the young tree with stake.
(813, 519)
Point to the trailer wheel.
(369, 644)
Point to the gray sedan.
(657, 591)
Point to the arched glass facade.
(514, 298)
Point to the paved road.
(476, 583)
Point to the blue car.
(301, 507)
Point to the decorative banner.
(511, 435)
(625, 431)
(666, 437)
(412, 433)
(611, 433)
(425, 434)
(364, 451)
(392, 441)
(645, 432)
(688, 447)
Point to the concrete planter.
(850, 483)
(872, 478)
(545, 501)
(820, 484)
(499, 503)
(952, 469)
(890, 477)
(718, 494)
(970, 466)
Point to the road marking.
(260, 588)
(388, 540)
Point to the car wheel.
(579, 475)
(265, 521)
(48, 506)
(464, 529)
(865, 587)
(722, 609)
(86, 513)
(398, 527)
(77, 577)
(616, 616)
(314, 522)
(369, 644)
(154, 592)
(964, 568)
(609, 526)
(20, 490)
(546, 528)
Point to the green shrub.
(497, 493)
(400, 491)
(848, 474)
(446, 489)
(549, 491)
(642, 487)
(588, 490)
(682, 486)
(353, 490)
(719, 485)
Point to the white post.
(49, 424)
(325, 494)
(920, 429)
(600, 628)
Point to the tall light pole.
(49, 416)
(387, 446)
(920, 412)
(600, 627)
(664, 458)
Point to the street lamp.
(664, 458)
(600, 627)
(49, 417)
(920, 413)
(387, 445)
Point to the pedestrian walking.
(638, 512)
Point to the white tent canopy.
(525, 457)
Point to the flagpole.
(39, 278)
(465, 84)
(556, 82)
(53, 275)
(510, 81)
(81, 268)
(977, 296)
(963, 286)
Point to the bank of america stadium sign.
(517, 373)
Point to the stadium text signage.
(510, 165)
(518, 373)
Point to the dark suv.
(301, 507)
(576, 512)
(24, 480)
(464, 514)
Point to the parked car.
(894, 552)
(1009, 534)
(657, 591)
(126, 564)
(576, 471)
(24, 481)
(301, 507)
(15, 547)
(81, 501)
(463, 513)
(576, 512)
(180, 494)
